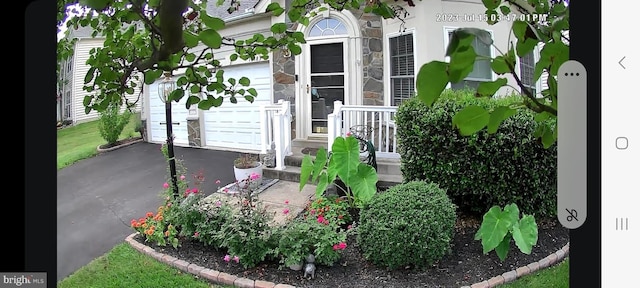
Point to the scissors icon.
(573, 214)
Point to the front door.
(326, 82)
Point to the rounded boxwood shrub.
(409, 224)
(482, 170)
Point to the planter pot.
(243, 174)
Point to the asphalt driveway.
(98, 197)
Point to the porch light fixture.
(166, 86)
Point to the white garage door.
(158, 119)
(237, 126)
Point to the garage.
(237, 126)
(157, 118)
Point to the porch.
(372, 123)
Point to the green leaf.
(498, 115)
(525, 234)
(90, 74)
(542, 116)
(249, 98)
(211, 38)
(275, 9)
(244, 81)
(294, 15)
(299, 36)
(503, 248)
(96, 4)
(233, 100)
(295, 49)
(192, 100)
(526, 46)
(483, 35)
(232, 81)
(195, 89)
(278, 28)
(519, 29)
(346, 157)
(548, 137)
(505, 10)
(488, 89)
(499, 65)
(461, 64)
(305, 170)
(252, 91)
(459, 40)
(323, 183)
(491, 4)
(384, 10)
(190, 39)
(87, 100)
(431, 81)
(210, 102)
(513, 212)
(319, 164)
(495, 226)
(212, 22)
(233, 57)
(176, 95)
(471, 119)
(190, 57)
(363, 183)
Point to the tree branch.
(540, 106)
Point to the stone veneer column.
(372, 61)
(193, 126)
(284, 83)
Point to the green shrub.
(482, 170)
(409, 224)
(112, 122)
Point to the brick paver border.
(228, 279)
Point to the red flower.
(321, 219)
(149, 214)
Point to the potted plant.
(246, 165)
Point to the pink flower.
(348, 134)
(169, 204)
(320, 219)
(312, 211)
(349, 227)
(236, 258)
(342, 245)
(226, 190)
(285, 211)
(254, 176)
(218, 181)
(227, 258)
(182, 177)
(335, 247)
(286, 201)
(194, 190)
(325, 222)
(196, 234)
(218, 203)
(165, 185)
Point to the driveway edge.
(228, 279)
(119, 146)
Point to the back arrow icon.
(620, 62)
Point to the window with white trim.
(527, 66)
(402, 71)
(481, 68)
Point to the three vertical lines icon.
(622, 224)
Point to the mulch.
(466, 264)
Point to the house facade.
(366, 62)
(70, 94)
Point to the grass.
(81, 141)
(123, 266)
(552, 277)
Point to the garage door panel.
(237, 126)
(157, 118)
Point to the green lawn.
(81, 141)
(123, 266)
(551, 277)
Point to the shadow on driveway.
(98, 197)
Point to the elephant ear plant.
(344, 162)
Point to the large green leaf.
(363, 183)
(279, 28)
(210, 102)
(482, 35)
(305, 170)
(499, 65)
(190, 39)
(319, 163)
(471, 119)
(431, 81)
(323, 183)
(192, 100)
(345, 157)
(495, 226)
(212, 22)
(461, 64)
(503, 248)
(526, 46)
(488, 89)
(498, 115)
(211, 38)
(491, 4)
(459, 40)
(525, 233)
(150, 76)
(176, 95)
(90, 74)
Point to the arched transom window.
(328, 27)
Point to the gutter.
(247, 13)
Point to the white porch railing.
(374, 123)
(275, 127)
